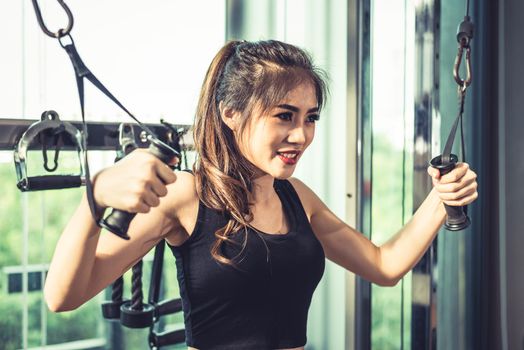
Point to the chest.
(264, 265)
(271, 219)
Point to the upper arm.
(342, 244)
(114, 255)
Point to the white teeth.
(289, 155)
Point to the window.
(153, 57)
(392, 80)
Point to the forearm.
(73, 261)
(404, 250)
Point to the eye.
(287, 116)
(313, 118)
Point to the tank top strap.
(206, 218)
(291, 200)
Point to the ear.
(229, 116)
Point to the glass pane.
(392, 117)
(457, 275)
(153, 58)
(10, 247)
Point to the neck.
(263, 188)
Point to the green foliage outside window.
(388, 196)
(46, 214)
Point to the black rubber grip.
(167, 338)
(118, 221)
(168, 307)
(457, 219)
(49, 182)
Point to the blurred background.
(392, 103)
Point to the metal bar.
(365, 141)
(85, 344)
(102, 136)
(352, 185)
(484, 319)
(423, 309)
(235, 26)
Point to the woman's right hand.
(134, 184)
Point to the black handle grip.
(49, 182)
(118, 221)
(168, 307)
(157, 340)
(457, 219)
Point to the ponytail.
(215, 170)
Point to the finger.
(455, 186)
(457, 195)
(158, 187)
(434, 173)
(164, 173)
(456, 174)
(463, 201)
(139, 206)
(150, 199)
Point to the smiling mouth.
(289, 158)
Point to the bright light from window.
(151, 55)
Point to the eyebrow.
(296, 109)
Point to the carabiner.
(464, 37)
(463, 83)
(126, 140)
(61, 32)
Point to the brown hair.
(241, 76)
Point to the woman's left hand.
(456, 188)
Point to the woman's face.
(275, 140)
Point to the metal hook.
(463, 83)
(126, 140)
(56, 133)
(464, 37)
(59, 143)
(61, 32)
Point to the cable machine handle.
(456, 219)
(118, 221)
(49, 182)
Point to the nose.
(297, 135)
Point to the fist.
(456, 188)
(134, 184)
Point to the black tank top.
(264, 302)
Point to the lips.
(289, 157)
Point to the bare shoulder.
(310, 201)
(180, 206)
(179, 193)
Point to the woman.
(249, 240)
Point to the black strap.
(156, 273)
(81, 72)
(464, 37)
(446, 154)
